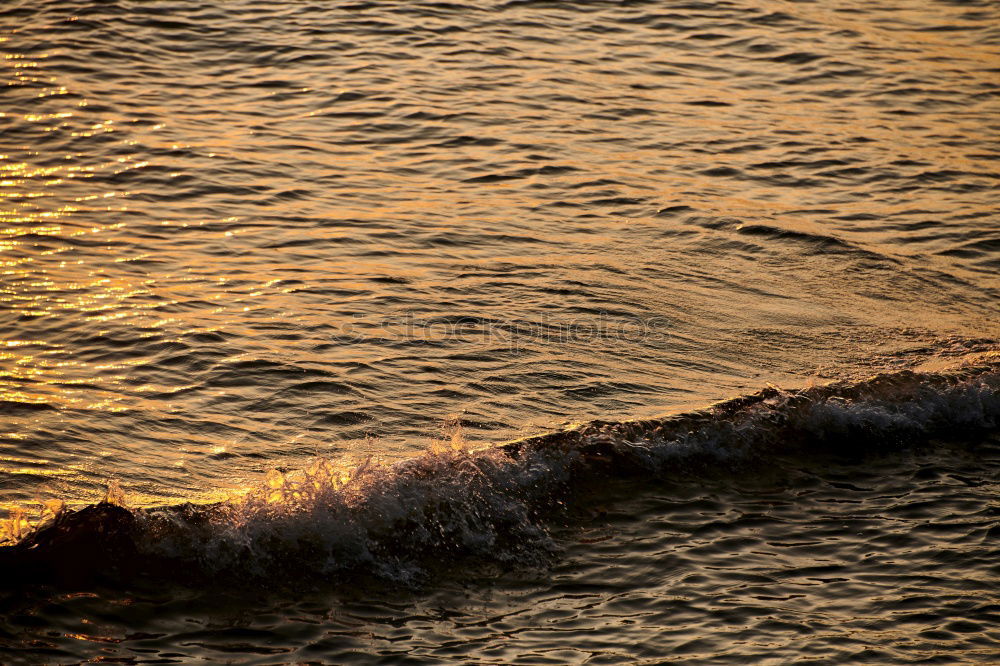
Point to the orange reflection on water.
(263, 213)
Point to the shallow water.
(237, 237)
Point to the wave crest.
(394, 521)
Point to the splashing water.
(453, 503)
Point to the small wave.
(394, 521)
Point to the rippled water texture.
(238, 235)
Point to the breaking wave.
(395, 521)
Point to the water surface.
(239, 236)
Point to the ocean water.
(396, 332)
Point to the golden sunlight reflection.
(222, 258)
(501, 331)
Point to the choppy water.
(240, 236)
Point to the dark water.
(838, 561)
(254, 236)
